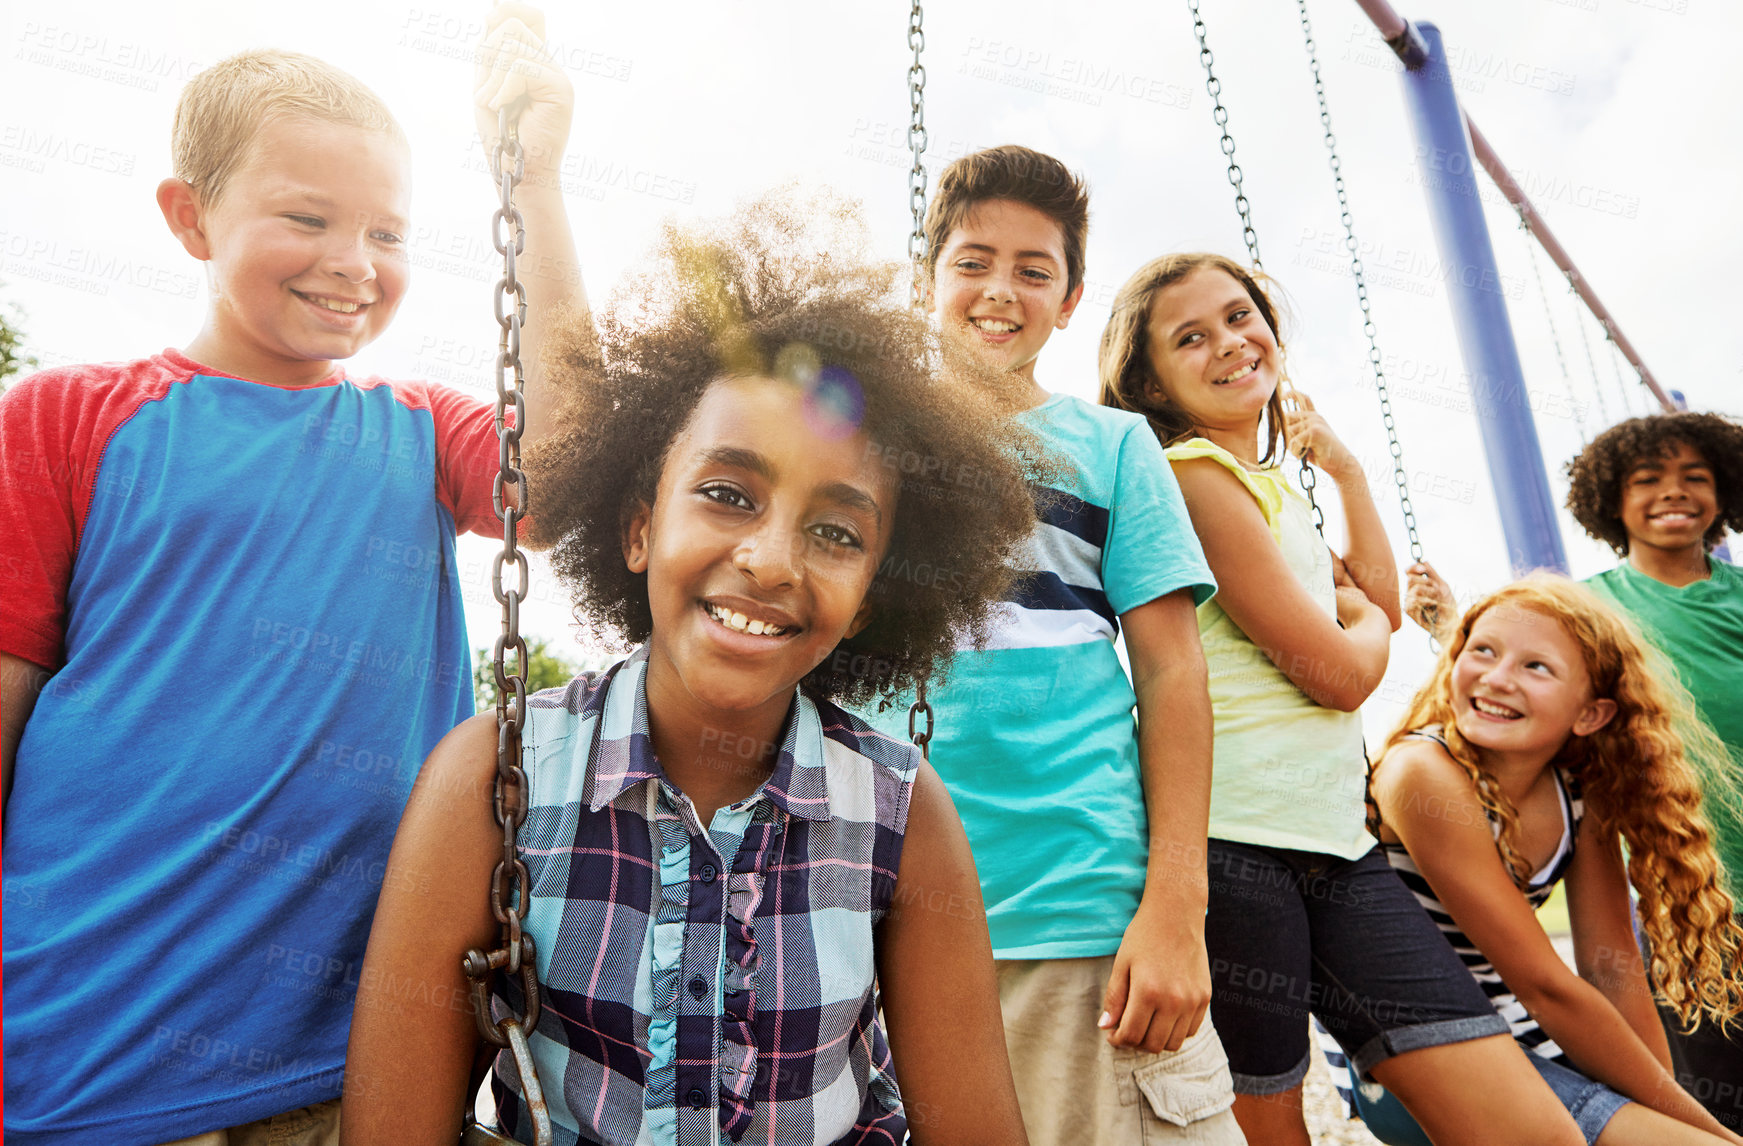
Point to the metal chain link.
(917, 144)
(1306, 475)
(510, 884)
(1591, 363)
(1221, 115)
(917, 255)
(1616, 360)
(1554, 336)
(1375, 358)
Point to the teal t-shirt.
(1699, 628)
(1035, 735)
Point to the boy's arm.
(940, 989)
(1161, 984)
(513, 71)
(412, 1030)
(20, 682)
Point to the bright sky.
(1621, 117)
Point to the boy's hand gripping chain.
(510, 885)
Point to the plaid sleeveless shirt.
(707, 983)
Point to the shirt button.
(698, 987)
(697, 1097)
(708, 873)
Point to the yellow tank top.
(1288, 773)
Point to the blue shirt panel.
(265, 639)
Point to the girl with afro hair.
(766, 481)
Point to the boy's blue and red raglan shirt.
(249, 599)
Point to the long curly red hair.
(1643, 775)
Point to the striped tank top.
(1537, 891)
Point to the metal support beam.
(1479, 309)
(1401, 35)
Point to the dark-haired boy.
(1088, 832)
(1661, 491)
(220, 669)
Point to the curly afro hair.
(783, 289)
(1596, 475)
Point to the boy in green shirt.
(1661, 491)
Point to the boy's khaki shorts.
(1076, 1090)
(316, 1125)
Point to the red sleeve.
(54, 427)
(466, 459)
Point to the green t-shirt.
(1035, 737)
(1699, 628)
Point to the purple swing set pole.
(1404, 40)
(1479, 311)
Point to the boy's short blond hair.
(224, 107)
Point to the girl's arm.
(1430, 802)
(1603, 926)
(1336, 667)
(1160, 988)
(413, 1036)
(1367, 553)
(940, 990)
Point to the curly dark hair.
(782, 289)
(1595, 492)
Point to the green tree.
(545, 669)
(13, 360)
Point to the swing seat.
(1386, 1117)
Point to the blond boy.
(221, 668)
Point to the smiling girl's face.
(759, 550)
(1211, 351)
(1520, 684)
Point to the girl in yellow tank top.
(1305, 916)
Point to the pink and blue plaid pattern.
(739, 1001)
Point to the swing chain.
(1399, 476)
(1554, 335)
(1616, 360)
(917, 144)
(1309, 480)
(1221, 115)
(510, 883)
(922, 738)
(1249, 234)
(917, 254)
(1592, 363)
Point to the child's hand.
(1428, 599)
(1352, 603)
(1160, 989)
(514, 71)
(1351, 598)
(1311, 439)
